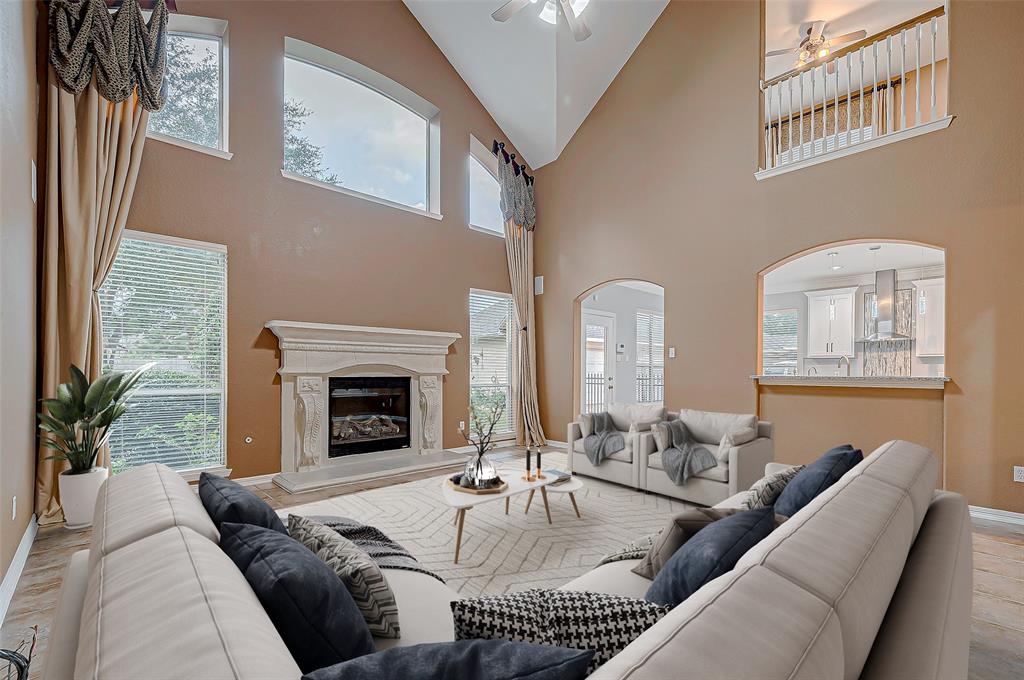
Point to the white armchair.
(739, 465)
(622, 467)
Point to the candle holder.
(540, 470)
(528, 477)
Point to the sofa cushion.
(681, 528)
(817, 477)
(709, 427)
(586, 424)
(310, 607)
(360, 574)
(424, 608)
(766, 490)
(733, 439)
(613, 578)
(719, 473)
(714, 550)
(465, 660)
(564, 618)
(228, 501)
(625, 415)
(172, 605)
(623, 456)
(141, 502)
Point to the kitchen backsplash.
(890, 357)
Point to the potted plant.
(76, 424)
(485, 412)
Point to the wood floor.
(997, 630)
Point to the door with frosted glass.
(598, 359)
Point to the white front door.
(598, 361)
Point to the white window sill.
(876, 142)
(358, 194)
(191, 146)
(485, 230)
(193, 475)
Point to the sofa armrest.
(643, 447)
(574, 432)
(747, 463)
(766, 429)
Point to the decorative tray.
(479, 492)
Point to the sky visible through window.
(484, 198)
(369, 142)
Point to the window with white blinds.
(779, 342)
(491, 329)
(165, 301)
(650, 356)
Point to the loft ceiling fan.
(580, 30)
(816, 45)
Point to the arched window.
(351, 129)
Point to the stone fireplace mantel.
(312, 353)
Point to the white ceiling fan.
(816, 45)
(580, 30)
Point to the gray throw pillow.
(766, 490)
(680, 529)
(587, 424)
(360, 574)
(661, 435)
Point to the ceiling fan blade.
(505, 12)
(779, 53)
(817, 28)
(579, 27)
(848, 37)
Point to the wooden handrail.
(853, 47)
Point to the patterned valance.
(123, 49)
(516, 190)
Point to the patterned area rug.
(500, 552)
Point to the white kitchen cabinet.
(830, 323)
(930, 317)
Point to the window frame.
(355, 72)
(204, 28)
(481, 154)
(511, 433)
(653, 313)
(221, 470)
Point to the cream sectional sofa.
(871, 580)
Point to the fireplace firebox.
(368, 414)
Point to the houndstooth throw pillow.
(360, 574)
(563, 618)
(766, 490)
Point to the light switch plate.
(538, 285)
(1018, 473)
(33, 180)
(671, 352)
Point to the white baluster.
(861, 96)
(789, 82)
(849, 99)
(888, 83)
(935, 22)
(835, 110)
(801, 76)
(903, 79)
(779, 90)
(917, 81)
(769, 144)
(813, 97)
(876, 111)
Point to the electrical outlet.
(462, 424)
(1018, 473)
(14, 508)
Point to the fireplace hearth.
(368, 414)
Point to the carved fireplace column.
(310, 411)
(430, 411)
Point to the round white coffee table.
(570, 487)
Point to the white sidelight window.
(779, 342)
(650, 356)
(353, 130)
(165, 301)
(195, 114)
(484, 192)
(491, 333)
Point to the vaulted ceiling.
(535, 80)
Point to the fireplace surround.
(330, 436)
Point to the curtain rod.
(498, 149)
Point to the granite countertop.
(902, 382)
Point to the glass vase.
(479, 473)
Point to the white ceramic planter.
(78, 496)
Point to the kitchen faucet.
(812, 368)
(840, 365)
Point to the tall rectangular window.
(195, 111)
(779, 342)
(165, 301)
(484, 192)
(650, 356)
(491, 329)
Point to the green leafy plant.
(77, 422)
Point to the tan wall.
(303, 253)
(658, 184)
(17, 270)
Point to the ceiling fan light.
(823, 52)
(549, 13)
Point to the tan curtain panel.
(94, 150)
(519, 211)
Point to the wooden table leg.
(461, 519)
(544, 495)
(529, 500)
(572, 497)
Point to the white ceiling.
(786, 21)
(535, 80)
(856, 259)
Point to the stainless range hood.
(885, 305)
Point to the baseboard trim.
(994, 515)
(555, 444)
(13, 574)
(255, 479)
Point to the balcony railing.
(889, 86)
(650, 384)
(594, 393)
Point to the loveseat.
(870, 580)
